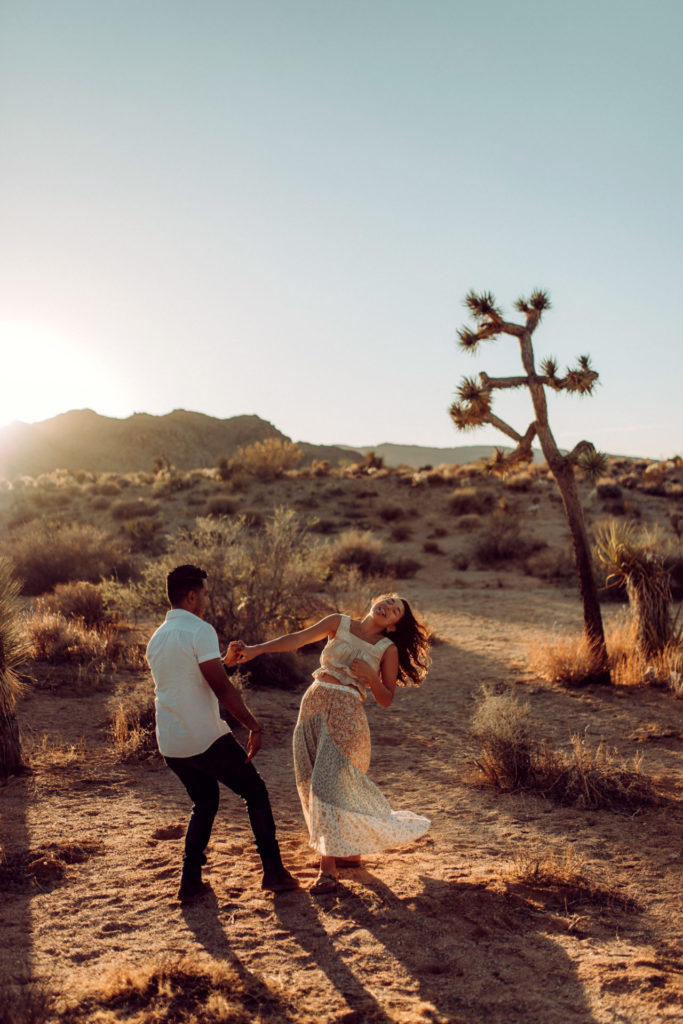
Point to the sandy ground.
(439, 931)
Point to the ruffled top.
(342, 649)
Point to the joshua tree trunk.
(474, 409)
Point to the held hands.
(232, 655)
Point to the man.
(189, 683)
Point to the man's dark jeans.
(201, 773)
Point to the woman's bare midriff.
(325, 678)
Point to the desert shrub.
(266, 460)
(320, 467)
(400, 533)
(633, 560)
(588, 777)
(389, 513)
(23, 1000)
(503, 541)
(606, 489)
(220, 505)
(466, 500)
(57, 640)
(520, 481)
(439, 531)
(551, 564)
(145, 535)
(467, 523)
(430, 547)
(222, 467)
(77, 600)
(133, 508)
(261, 582)
(107, 487)
(171, 989)
(53, 553)
(362, 549)
(403, 568)
(460, 561)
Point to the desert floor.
(440, 931)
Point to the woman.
(345, 812)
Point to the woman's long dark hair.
(412, 642)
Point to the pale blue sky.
(278, 207)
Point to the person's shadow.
(203, 918)
(472, 953)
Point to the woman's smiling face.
(387, 610)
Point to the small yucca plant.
(13, 650)
(631, 558)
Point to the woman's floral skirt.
(345, 812)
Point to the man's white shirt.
(187, 709)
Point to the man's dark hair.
(181, 580)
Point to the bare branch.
(504, 427)
(492, 383)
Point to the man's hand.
(232, 655)
(253, 745)
(248, 653)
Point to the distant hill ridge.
(82, 439)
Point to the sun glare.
(46, 373)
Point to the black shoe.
(279, 880)
(189, 890)
(191, 881)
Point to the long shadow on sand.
(204, 921)
(471, 953)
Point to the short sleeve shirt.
(187, 709)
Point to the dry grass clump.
(403, 568)
(182, 990)
(400, 533)
(510, 759)
(569, 659)
(133, 726)
(465, 500)
(52, 553)
(564, 877)
(46, 752)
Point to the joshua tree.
(12, 650)
(473, 409)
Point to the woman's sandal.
(323, 883)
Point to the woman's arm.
(293, 641)
(382, 684)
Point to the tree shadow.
(473, 953)
(17, 888)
